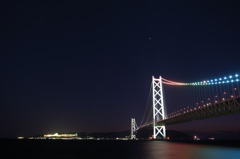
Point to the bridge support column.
(158, 108)
(133, 128)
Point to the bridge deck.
(231, 106)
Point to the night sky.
(86, 66)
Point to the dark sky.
(87, 65)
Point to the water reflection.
(166, 150)
(51, 149)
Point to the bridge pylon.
(158, 108)
(133, 128)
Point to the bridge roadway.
(227, 107)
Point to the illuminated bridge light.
(222, 80)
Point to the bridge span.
(231, 106)
(226, 101)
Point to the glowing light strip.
(224, 80)
(165, 81)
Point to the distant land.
(125, 135)
(218, 135)
(145, 134)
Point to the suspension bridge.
(188, 102)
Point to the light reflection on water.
(166, 150)
(57, 149)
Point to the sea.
(113, 149)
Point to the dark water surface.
(51, 149)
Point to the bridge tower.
(158, 108)
(133, 128)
